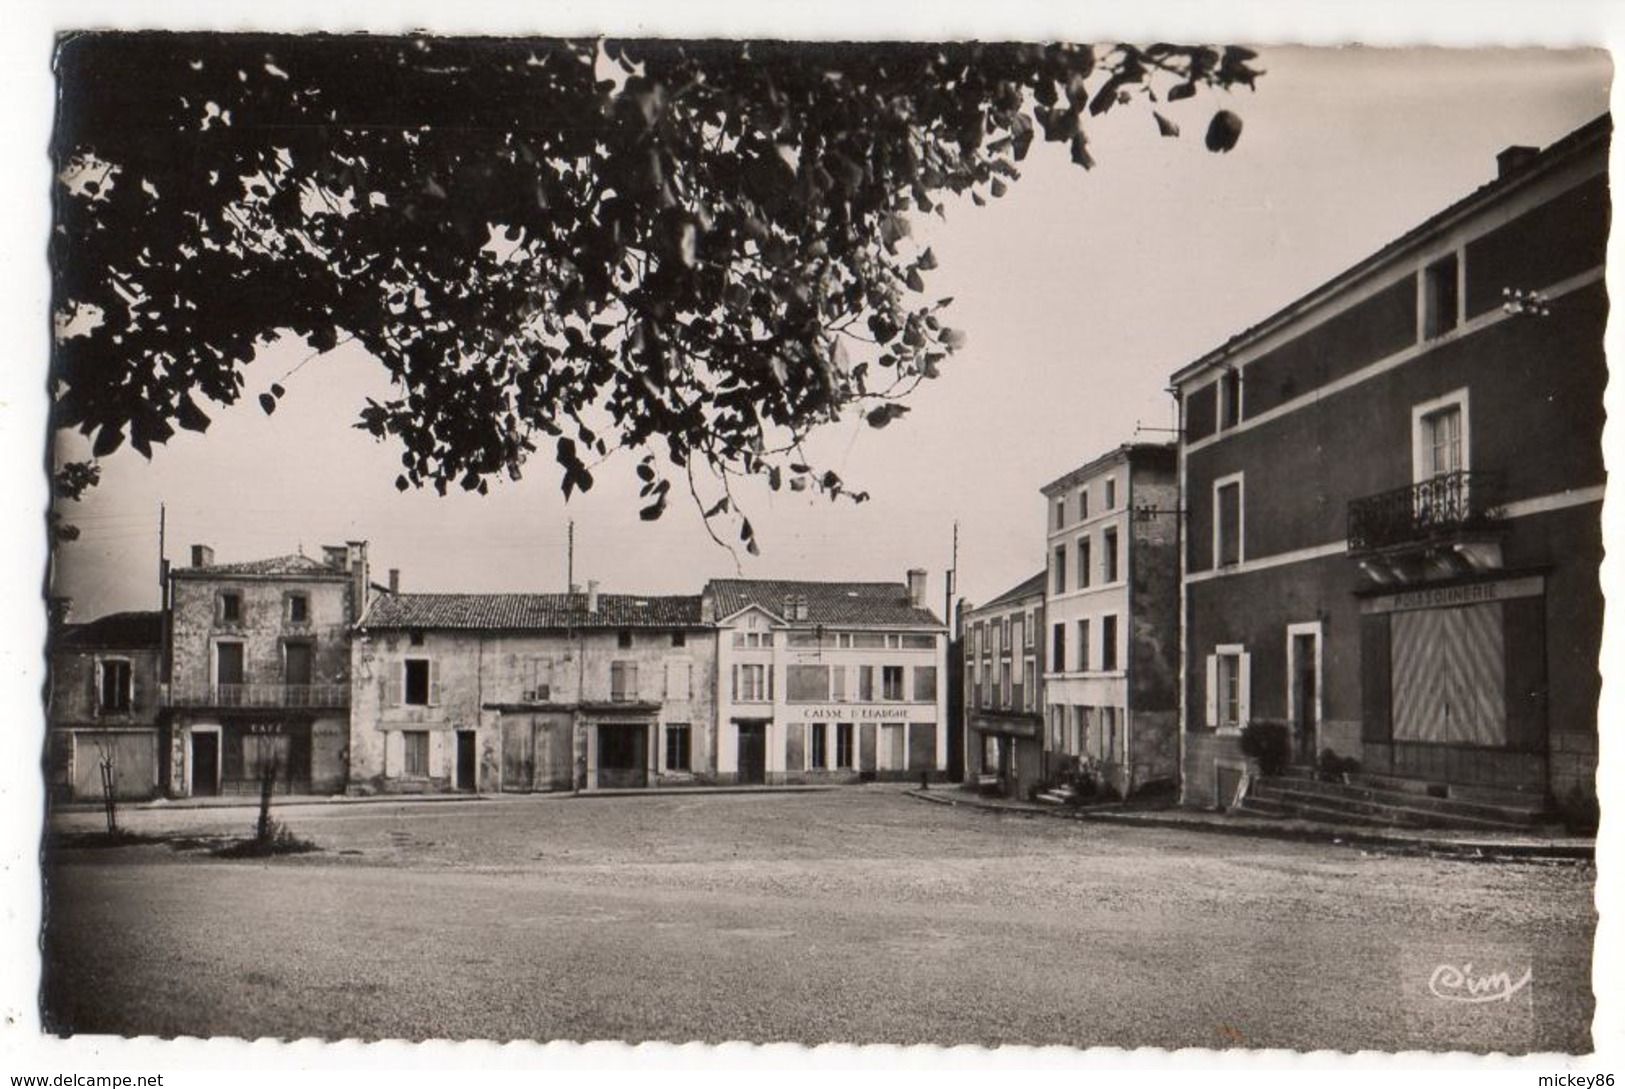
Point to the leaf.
(267, 403)
(881, 415)
(189, 416)
(1165, 126)
(108, 439)
(654, 510)
(1181, 91)
(1080, 152)
(719, 507)
(276, 390)
(1223, 131)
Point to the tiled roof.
(295, 564)
(1032, 587)
(124, 631)
(862, 603)
(523, 612)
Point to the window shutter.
(735, 695)
(1245, 665)
(434, 681)
(632, 691)
(769, 670)
(437, 753)
(1212, 690)
(392, 686)
(96, 687)
(135, 690)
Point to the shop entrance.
(753, 752)
(623, 756)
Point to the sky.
(1080, 293)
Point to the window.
(678, 674)
(1027, 631)
(925, 684)
(843, 745)
(1439, 437)
(891, 682)
(753, 639)
(1027, 673)
(807, 683)
(817, 746)
(415, 750)
(679, 638)
(1004, 684)
(1227, 527)
(1084, 565)
(298, 608)
(678, 740)
(1229, 398)
(1058, 649)
(228, 662)
(1060, 569)
(416, 689)
(231, 607)
(987, 684)
(114, 686)
(866, 683)
(1108, 642)
(837, 682)
(623, 682)
(1083, 644)
(750, 683)
(298, 663)
(1111, 493)
(623, 639)
(1108, 558)
(1228, 682)
(1060, 512)
(415, 638)
(1083, 502)
(1440, 311)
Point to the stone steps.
(1360, 803)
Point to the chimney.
(394, 580)
(202, 555)
(916, 587)
(592, 596)
(361, 588)
(1513, 159)
(335, 557)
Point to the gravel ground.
(857, 915)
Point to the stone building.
(260, 671)
(1111, 690)
(1394, 488)
(1003, 689)
(828, 681)
(103, 707)
(532, 692)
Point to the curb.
(1304, 832)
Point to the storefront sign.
(1445, 597)
(263, 728)
(852, 712)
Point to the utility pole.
(163, 565)
(948, 583)
(570, 559)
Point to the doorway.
(467, 777)
(205, 764)
(753, 752)
(1303, 690)
(623, 756)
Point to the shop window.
(679, 739)
(817, 742)
(415, 752)
(843, 745)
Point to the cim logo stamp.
(1453, 984)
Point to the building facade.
(259, 671)
(828, 681)
(1394, 490)
(103, 708)
(532, 692)
(1003, 689)
(1111, 693)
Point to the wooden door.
(752, 752)
(467, 754)
(205, 764)
(518, 753)
(623, 756)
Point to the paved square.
(856, 915)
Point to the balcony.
(257, 695)
(1451, 524)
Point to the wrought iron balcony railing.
(1418, 513)
(257, 695)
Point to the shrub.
(1269, 743)
(1578, 811)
